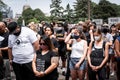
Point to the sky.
(44, 5)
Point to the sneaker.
(112, 74)
(63, 71)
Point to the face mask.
(97, 38)
(105, 30)
(76, 36)
(44, 47)
(17, 33)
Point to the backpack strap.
(103, 46)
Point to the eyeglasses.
(42, 44)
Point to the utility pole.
(88, 9)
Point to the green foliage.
(81, 9)
(57, 10)
(104, 10)
(39, 15)
(33, 15)
(68, 14)
(33, 20)
(2, 6)
(19, 21)
(27, 15)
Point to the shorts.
(73, 61)
(62, 54)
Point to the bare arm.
(10, 54)
(54, 64)
(117, 47)
(5, 48)
(34, 66)
(36, 45)
(88, 53)
(67, 39)
(68, 47)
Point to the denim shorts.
(73, 61)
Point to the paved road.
(61, 77)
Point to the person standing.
(4, 50)
(45, 61)
(50, 33)
(22, 44)
(78, 54)
(97, 57)
(107, 37)
(117, 50)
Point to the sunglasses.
(42, 44)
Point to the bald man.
(4, 52)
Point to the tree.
(27, 15)
(116, 8)
(104, 10)
(19, 21)
(80, 9)
(57, 10)
(68, 14)
(39, 15)
(3, 6)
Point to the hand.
(93, 67)
(37, 73)
(10, 62)
(73, 31)
(77, 65)
(97, 68)
(90, 32)
(41, 74)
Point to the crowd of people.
(87, 51)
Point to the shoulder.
(84, 41)
(52, 53)
(106, 44)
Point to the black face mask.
(76, 36)
(17, 33)
(105, 30)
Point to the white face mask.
(97, 38)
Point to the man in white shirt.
(22, 44)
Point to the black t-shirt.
(3, 44)
(43, 62)
(60, 34)
(55, 43)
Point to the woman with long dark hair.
(45, 61)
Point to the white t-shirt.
(108, 37)
(77, 49)
(22, 48)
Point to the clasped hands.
(95, 68)
(39, 74)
